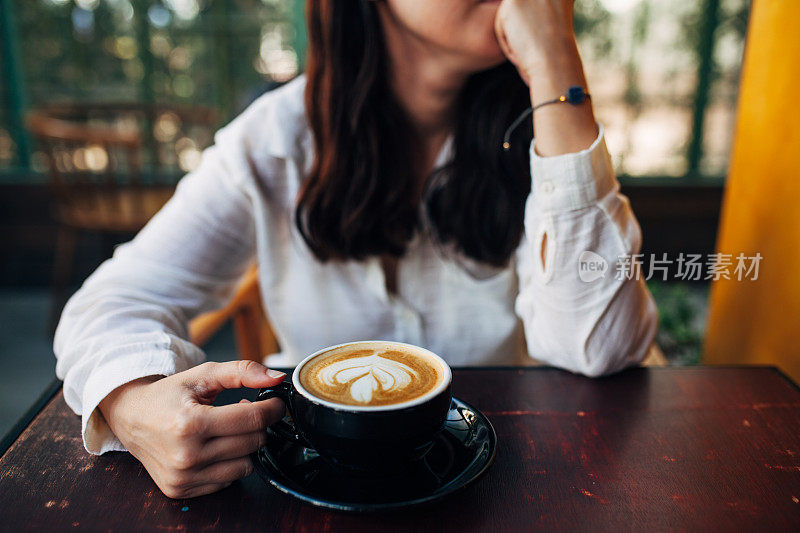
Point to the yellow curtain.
(758, 322)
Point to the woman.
(379, 203)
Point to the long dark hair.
(360, 196)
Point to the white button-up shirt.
(129, 320)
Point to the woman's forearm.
(129, 319)
(560, 128)
(538, 37)
(591, 325)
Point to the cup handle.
(282, 428)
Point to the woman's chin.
(490, 55)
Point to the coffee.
(371, 374)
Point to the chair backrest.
(102, 157)
(170, 138)
(253, 332)
(755, 321)
(84, 158)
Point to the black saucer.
(462, 452)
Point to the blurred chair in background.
(757, 321)
(111, 168)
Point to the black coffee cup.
(364, 439)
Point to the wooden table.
(665, 448)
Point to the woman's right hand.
(188, 446)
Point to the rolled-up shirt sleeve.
(130, 318)
(604, 320)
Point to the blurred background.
(104, 104)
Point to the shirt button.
(547, 187)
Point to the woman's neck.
(425, 81)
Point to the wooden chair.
(253, 333)
(255, 337)
(106, 174)
(655, 357)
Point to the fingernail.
(275, 373)
(245, 400)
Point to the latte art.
(370, 374)
(363, 376)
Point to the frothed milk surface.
(370, 375)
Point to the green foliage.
(116, 51)
(682, 313)
(732, 17)
(592, 25)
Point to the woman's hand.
(532, 32)
(538, 38)
(188, 446)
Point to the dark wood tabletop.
(695, 448)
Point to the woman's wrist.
(549, 75)
(557, 51)
(560, 128)
(113, 404)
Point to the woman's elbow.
(623, 344)
(619, 340)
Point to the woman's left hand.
(532, 32)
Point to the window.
(664, 73)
